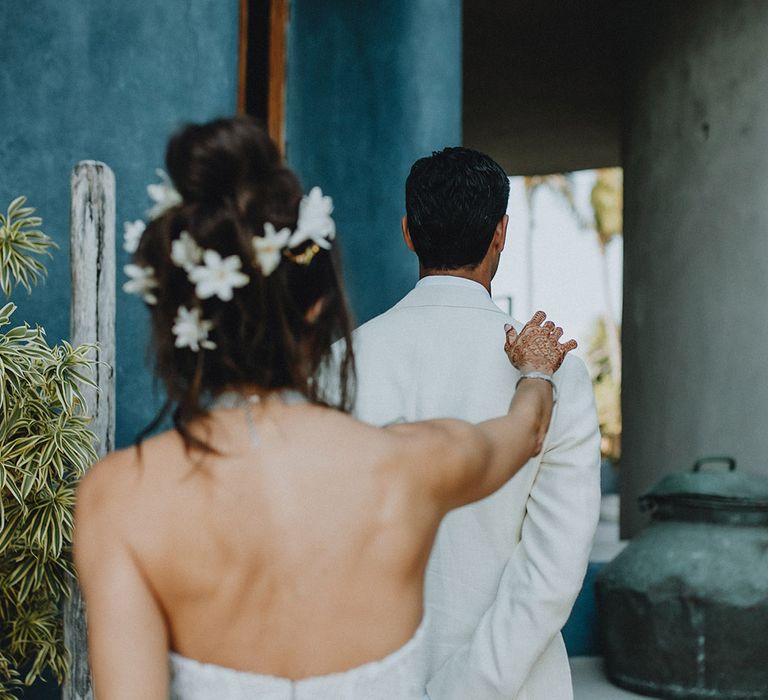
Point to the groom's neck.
(477, 274)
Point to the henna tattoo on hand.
(537, 348)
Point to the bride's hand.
(537, 347)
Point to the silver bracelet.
(540, 375)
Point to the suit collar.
(450, 280)
(435, 294)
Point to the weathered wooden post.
(92, 262)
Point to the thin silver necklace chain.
(233, 399)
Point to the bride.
(270, 546)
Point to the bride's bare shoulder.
(401, 445)
(354, 429)
(115, 480)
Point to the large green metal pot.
(684, 608)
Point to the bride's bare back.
(302, 556)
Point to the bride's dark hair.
(277, 331)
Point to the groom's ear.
(407, 234)
(500, 234)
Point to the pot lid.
(717, 489)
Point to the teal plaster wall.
(106, 80)
(371, 87)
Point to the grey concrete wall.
(696, 241)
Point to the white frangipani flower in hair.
(185, 253)
(315, 222)
(191, 330)
(217, 276)
(269, 247)
(142, 282)
(163, 194)
(133, 231)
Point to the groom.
(504, 572)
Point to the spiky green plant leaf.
(45, 447)
(20, 241)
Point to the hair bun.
(211, 162)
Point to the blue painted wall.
(106, 80)
(371, 87)
(581, 633)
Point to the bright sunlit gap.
(554, 260)
(566, 264)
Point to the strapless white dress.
(401, 675)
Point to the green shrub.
(45, 447)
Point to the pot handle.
(648, 503)
(730, 461)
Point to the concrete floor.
(590, 683)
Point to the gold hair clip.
(315, 228)
(305, 257)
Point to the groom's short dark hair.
(453, 200)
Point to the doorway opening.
(261, 79)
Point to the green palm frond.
(45, 447)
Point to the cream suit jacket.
(504, 572)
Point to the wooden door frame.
(278, 22)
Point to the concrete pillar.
(370, 88)
(696, 241)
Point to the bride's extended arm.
(127, 637)
(462, 462)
